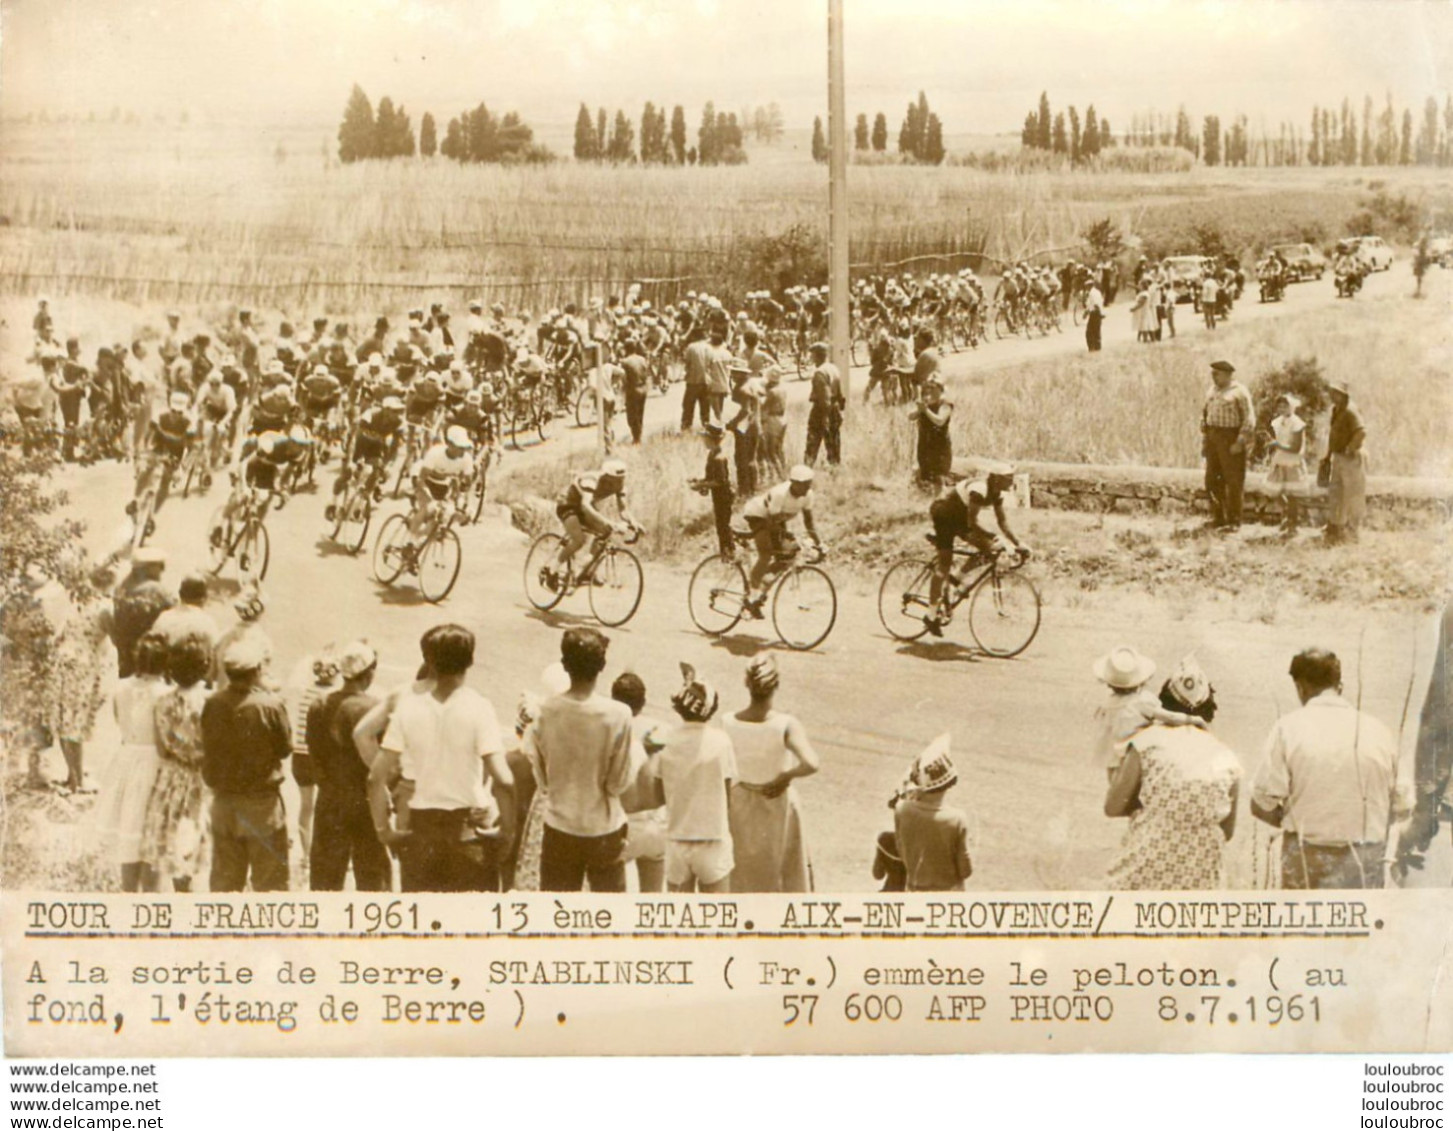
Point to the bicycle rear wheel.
(544, 412)
(717, 595)
(388, 558)
(439, 564)
(254, 551)
(904, 598)
(475, 505)
(804, 607)
(542, 555)
(616, 585)
(1003, 325)
(585, 407)
(1004, 613)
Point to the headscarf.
(762, 676)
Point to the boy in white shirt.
(694, 772)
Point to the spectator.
(772, 751)
(1210, 299)
(694, 771)
(1433, 759)
(1284, 478)
(718, 373)
(580, 750)
(245, 740)
(1142, 313)
(902, 361)
(746, 426)
(774, 426)
(926, 364)
(172, 843)
(300, 697)
(1094, 317)
(1228, 420)
(249, 608)
(637, 386)
(1329, 782)
(645, 816)
(137, 603)
(933, 838)
(1347, 462)
(825, 416)
(190, 617)
(80, 667)
(131, 775)
(448, 743)
(935, 447)
(1130, 708)
(1178, 785)
(716, 483)
(880, 357)
(343, 830)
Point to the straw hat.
(1123, 668)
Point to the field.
(215, 215)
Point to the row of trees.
(718, 139)
(475, 136)
(920, 137)
(1064, 133)
(1337, 136)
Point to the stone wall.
(1391, 502)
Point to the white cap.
(457, 437)
(180, 402)
(615, 468)
(800, 474)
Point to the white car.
(1375, 253)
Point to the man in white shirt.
(446, 742)
(579, 748)
(1329, 781)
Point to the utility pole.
(837, 197)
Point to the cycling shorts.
(369, 449)
(261, 475)
(950, 517)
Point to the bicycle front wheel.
(904, 598)
(350, 529)
(616, 586)
(1004, 613)
(254, 551)
(388, 557)
(439, 566)
(717, 595)
(1003, 325)
(218, 539)
(804, 607)
(586, 409)
(542, 556)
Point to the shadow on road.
(401, 597)
(327, 548)
(941, 651)
(557, 618)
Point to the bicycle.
(1004, 604)
(245, 535)
(435, 560)
(804, 599)
(151, 492)
(528, 407)
(612, 576)
(354, 512)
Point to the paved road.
(1021, 729)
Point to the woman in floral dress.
(1178, 786)
(82, 662)
(172, 839)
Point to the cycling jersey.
(172, 434)
(321, 392)
(439, 471)
(470, 417)
(777, 504)
(589, 484)
(424, 397)
(217, 404)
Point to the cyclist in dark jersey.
(579, 510)
(374, 445)
(955, 515)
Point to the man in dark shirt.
(716, 483)
(825, 416)
(342, 824)
(136, 604)
(245, 739)
(637, 387)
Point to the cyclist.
(320, 393)
(425, 396)
(458, 381)
(216, 410)
(274, 411)
(438, 476)
(579, 509)
(471, 415)
(373, 447)
(955, 514)
(172, 433)
(768, 516)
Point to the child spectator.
(1284, 477)
(645, 818)
(888, 864)
(716, 481)
(933, 838)
(1130, 708)
(694, 771)
(301, 696)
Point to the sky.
(982, 63)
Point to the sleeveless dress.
(126, 786)
(770, 846)
(173, 837)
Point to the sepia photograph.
(712, 448)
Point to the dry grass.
(209, 216)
